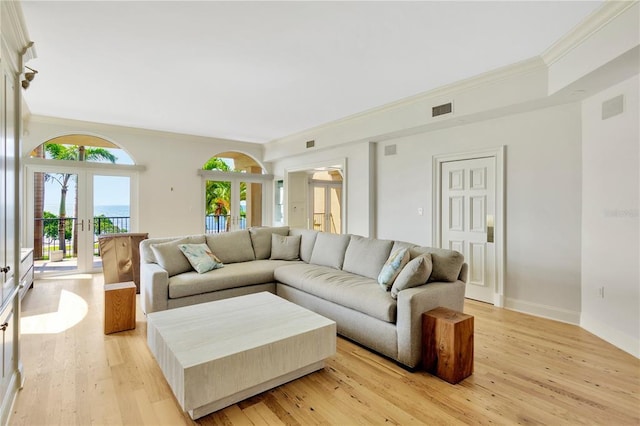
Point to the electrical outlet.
(601, 292)
(420, 211)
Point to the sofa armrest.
(412, 303)
(154, 288)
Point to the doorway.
(469, 218)
(70, 208)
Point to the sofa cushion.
(231, 247)
(231, 276)
(366, 256)
(447, 264)
(200, 257)
(261, 239)
(285, 248)
(416, 273)
(169, 256)
(356, 292)
(392, 267)
(308, 239)
(329, 249)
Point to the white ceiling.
(257, 71)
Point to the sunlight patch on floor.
(71, 310)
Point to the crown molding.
(610, 10)
(442, 92)
(15, 36)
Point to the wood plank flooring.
(528, 370)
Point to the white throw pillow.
(285, 247)
(416, 273)
(200, 257)
(392, 267)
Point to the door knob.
(5, 269)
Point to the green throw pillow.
(200, 257)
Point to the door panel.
(468, 203)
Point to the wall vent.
(613, 106)
(311, 144)
(441, 109)
(390, 150)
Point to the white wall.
(543, 176)
(610, 218)
(171, 194)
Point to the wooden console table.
(447, 344)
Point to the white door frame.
(499, 233)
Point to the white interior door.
(467, 220)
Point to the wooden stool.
(447, 344)
(119, 307)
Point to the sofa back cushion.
(447, 264)
(366, 256)
(169, 256)
(261, 239)
(329, 249)
(285, 247)
(308, 240)
(231, 247)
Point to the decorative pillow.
(169, 257)
(416, 273)
(200, 257)
(261, 239)
(392, 267)
(285, 248)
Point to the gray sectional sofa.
(334, 275)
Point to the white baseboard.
(627, 343)
(544, 311)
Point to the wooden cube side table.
(119, 307)
(447, 344)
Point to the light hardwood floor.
(528, 370)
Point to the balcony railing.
(216, 223)
(49, 231)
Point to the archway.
(79, 188)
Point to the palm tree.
(72, 153)
(218, 193)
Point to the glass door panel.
(110, 212)
(319, 208)
(250, 205)
(55, 242)
(335, 213)
(217, 206)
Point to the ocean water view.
(108, 210)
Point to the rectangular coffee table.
(218, 353)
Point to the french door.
(233, 204)
(326, 214)
(69, 208)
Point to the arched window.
(80, 187)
